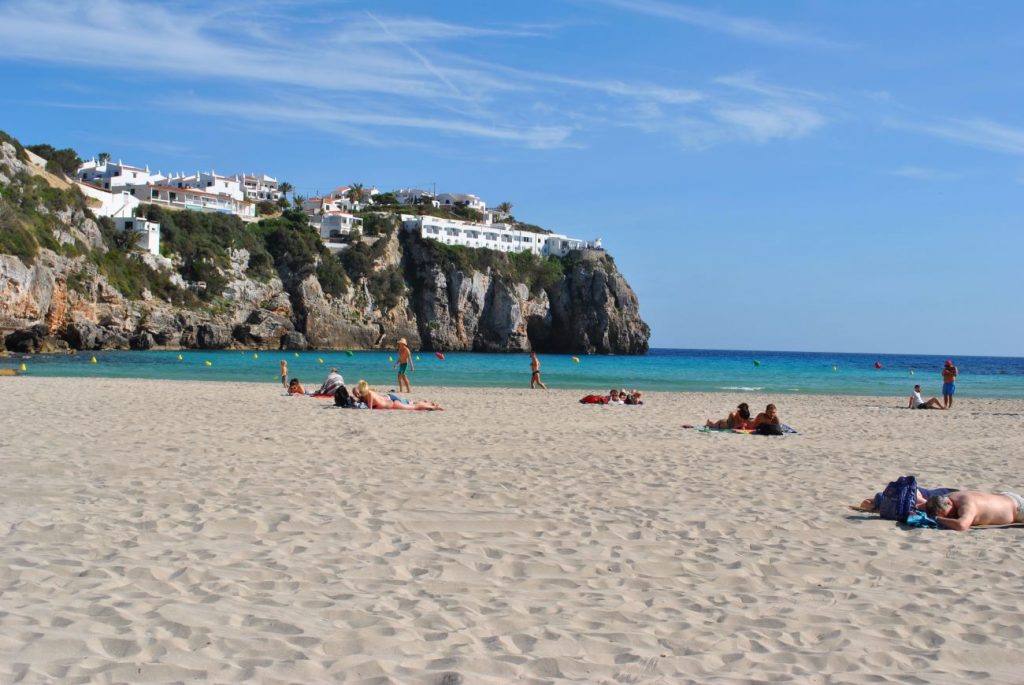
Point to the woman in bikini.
(374, 400)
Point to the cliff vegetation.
(70, 280)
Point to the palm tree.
(285, 187)
(355, 192)
(103, 157)
(505, 208)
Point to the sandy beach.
(159, 532)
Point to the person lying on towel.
(375, 400)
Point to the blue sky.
(829, 176)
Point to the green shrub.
(64, 161)
(387, 287)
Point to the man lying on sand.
(966, 508)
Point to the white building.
(195, 200)
(106, 203)
(149, 232)
(466, 200)
(500, 237)
(208, 182)
(414, 196)
(111, 175)
(260, 188)
(333, 225)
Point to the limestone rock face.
(591, 310)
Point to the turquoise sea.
(663, 369)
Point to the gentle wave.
(742, 388)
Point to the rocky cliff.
(68, 281)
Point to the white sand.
(173, 531)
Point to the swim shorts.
(948, 388)
(401, 368)
(1018, 517)
(922, 405)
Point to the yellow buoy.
(835, 368)
(391, 359)
(179, 357)
(576, 360)
(255, 355)
(23, 367)
(296, 354)
(320, 360)
(93, 360)
(208, 363)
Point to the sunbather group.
(740, 419)
(361, 396)
(615, 396)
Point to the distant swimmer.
(949, 374)
(535, 372)
(917, 402)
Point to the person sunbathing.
(770, 415)
(738, 419)
(965, 508)
(295, 388)
(375, 400)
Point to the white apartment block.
(498, 237)
(111, 175)
(195, 200)
(470, 201)
(208, 182)
(260, 188)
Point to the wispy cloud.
(747, 28)
(380, 80)
(982, 133)
(922, 173)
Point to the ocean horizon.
(662, 369)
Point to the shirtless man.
(284, 373)
(917, 402)
(535, 372)
(966, 508)
(404, 364)
(949, 373)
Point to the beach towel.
(786, 430)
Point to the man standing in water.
(949, 373)
(404, 364)
(535, 372)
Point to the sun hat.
(401, 341)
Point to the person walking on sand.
(404, 365)
(917, 402)
(949, 373)
(284, 373)
(535, 372)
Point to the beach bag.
(342, 398)
(769, 429)
(594, 399)
(898, 499)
